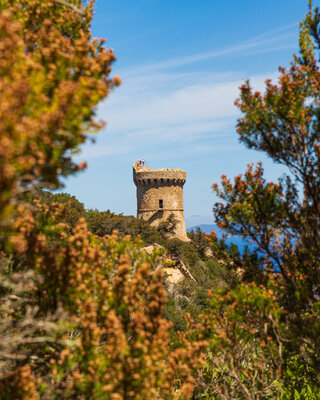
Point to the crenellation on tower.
(159, 194)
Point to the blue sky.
(181, 63)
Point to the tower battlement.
(144, 175)
(159, 194)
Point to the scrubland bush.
(80, 315)
(264, 335)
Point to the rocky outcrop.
(175, 270)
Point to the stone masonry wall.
(160, 193)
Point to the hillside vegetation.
(204, 256)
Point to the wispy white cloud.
(159, 106)
(277, 31)
(182, 105)
(200, 106)
(273, 40)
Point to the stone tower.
(159, 194)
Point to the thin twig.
(67, 4)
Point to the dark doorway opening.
(160, 203)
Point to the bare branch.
(67, 4)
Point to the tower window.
(160, 203)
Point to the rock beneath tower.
(174, 273)
(159, 194)
(172, 277)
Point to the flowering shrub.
(80, 315)
(264, 338)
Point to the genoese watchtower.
(159, 194)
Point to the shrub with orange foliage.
(245, 357)
(52, 76)
(283, 220)
(80, 315)
(117, 343)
